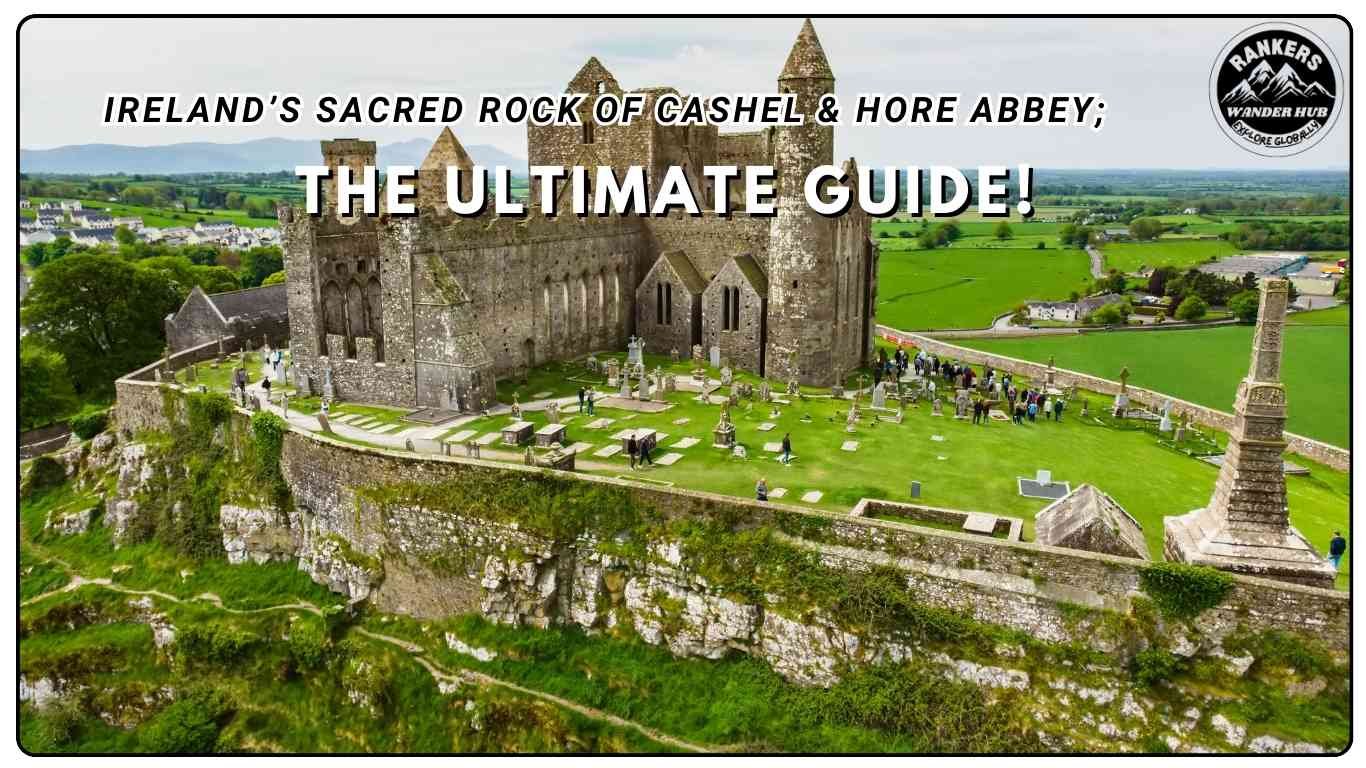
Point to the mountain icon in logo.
(1263, 86)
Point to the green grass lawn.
(1176, 252)
(959, 287)
(1205, 365)
(977, 471)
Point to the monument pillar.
(1245, 527)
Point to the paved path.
(1097, 261)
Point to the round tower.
(802, 296)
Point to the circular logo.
(1275, 89)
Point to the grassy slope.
(1205, 366)
(960, 287)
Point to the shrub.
(61, 721)
(1184, 591)
(268, 436)
(1192, 308)
(87, 424)
(1154, 665)
(308, 645)
(1244, 306)
(190, 725)
(213, 642)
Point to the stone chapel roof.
(265, 300)
(752, 273)
(807, 58)
(682, 266)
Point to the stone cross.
(552, 412)
(323, 423)
(516, 406)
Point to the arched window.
(583, 305)
(334, 310)
(616, 299)
(564, 300)
(602, 300)
(545, 310)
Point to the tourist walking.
(761, 490)
(976, 411)
(645, 454)
(631, 450)
(1336, 549)
(589, 396)
(1057, 409)
(581, 399)
(787, 448)
(1033, 409)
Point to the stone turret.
(801, 242)
(352, 153)
(1246, 528)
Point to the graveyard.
(835, 462)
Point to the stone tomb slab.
(812, 497)
(767, 426)
(773, 447)
(632, 404)
(607, 451)
(669, 459)
(622, 434)
(1033, 489)
(517, 432)
(579, 447)
(430, 416)
(680, 422)
(979, 522)
(937, 438)
(488, 438)
(602, 423)
(849, 445)
(777, 493)
(550, 433)
(461, 436)
(686, 442)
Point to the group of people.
(586, 396)
(639, 451)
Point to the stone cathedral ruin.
(429, 311)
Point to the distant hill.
(259, 156)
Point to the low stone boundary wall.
(1331, 455)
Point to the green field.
(960, 287)
(1205, 365)
(1177, 252)
(167, 217)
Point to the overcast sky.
(1153, 75)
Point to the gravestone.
(915, 489)
(613, 371)
(697, 354)
(635, 350)
(727, 376)
(323, 423)
(765, 392)
(723, 435)
(472, 449)
(880, 395)
(643, 390)
(673, 354)
(625, 391)
(715, 357)
(961, 403)
(937, 407)
(552, 412)
(516, 406)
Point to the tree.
(1157, 281)
(274, 278)
(1145, 228)
(1249, 281)
(1193, 308)
(259, 263)
(1113, 282)
(46, 395)
(1110, 314)
(124, 236)
(101, 313)
(1244, 306)
(1002, 231)
(39, 254)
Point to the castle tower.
(801, 242)
(1246, 528)
(431, 176)
(352, 153)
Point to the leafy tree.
(274, 278)
(1192, 308)
(1113, 282)
(101, 313)
(259, 263)
(1157, 281)
(1249, 281)
(124, 236)
(1145, 228)
(1002, 231)
(46, 395)
(1244, 306)
(39, 254)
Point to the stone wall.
(1331, 455)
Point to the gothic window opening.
(659, 303)
(734, 309)
(668, 303)
(725, 309)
